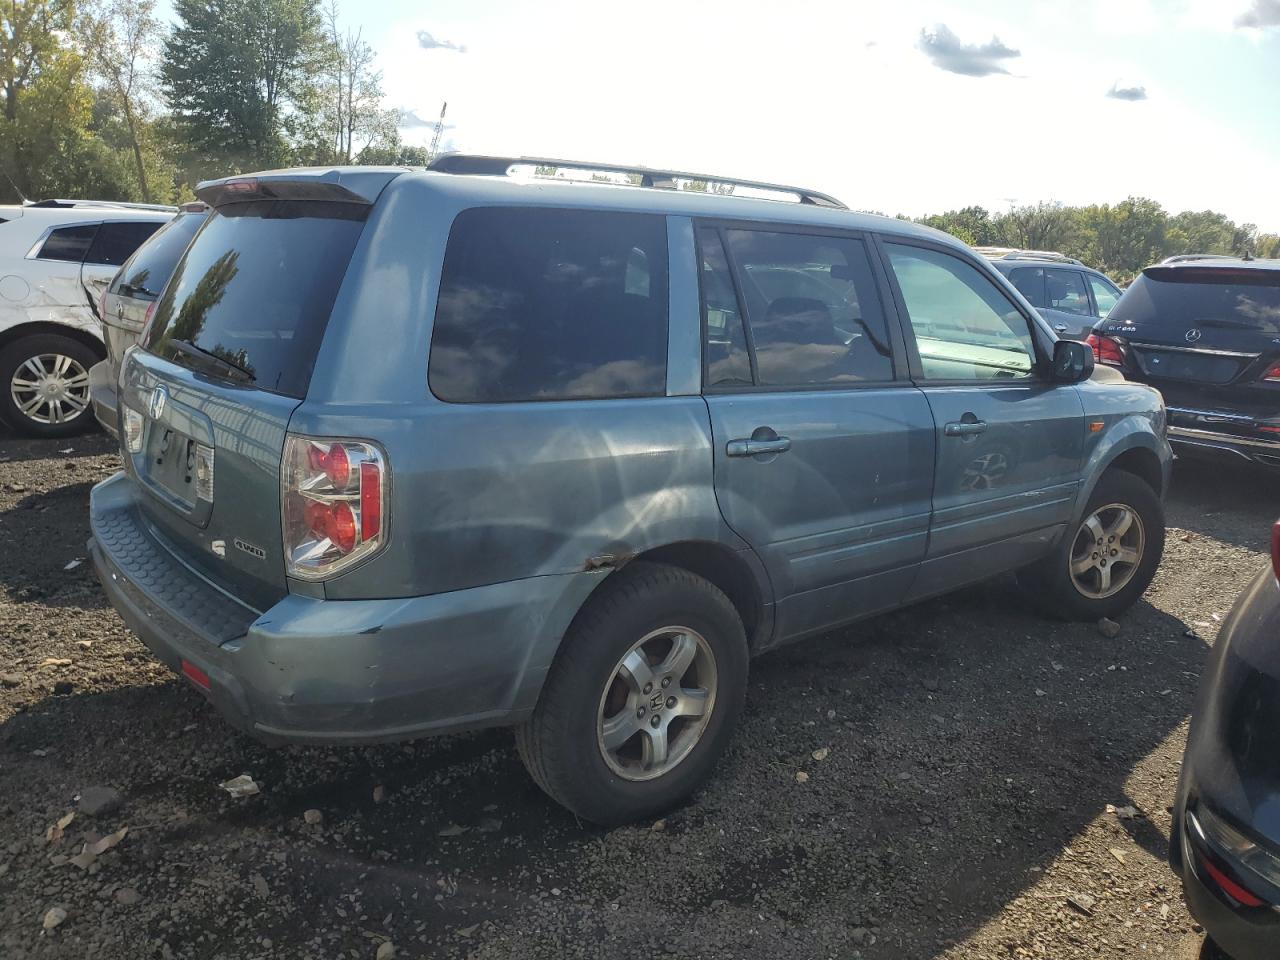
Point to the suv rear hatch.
(1207, 336)
(227, 358)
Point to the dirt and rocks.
(959, 780)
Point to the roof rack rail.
(1010, 253)
(1191, 257)
(485, 166)
(112, 204)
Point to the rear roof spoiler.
(347, 185)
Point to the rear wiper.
(129, 290)
(232, 370)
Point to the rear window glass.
(551, 305)
(68, 243)
(1195, 297)
(256, 287)
(146, 273)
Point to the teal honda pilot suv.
(413, 451)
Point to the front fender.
(1134, 431)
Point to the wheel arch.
(34, 328)
(736, 573)
(1143, 464)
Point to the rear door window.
(1105, 294)
(544, 304)
(1066, 292)
(812, 308)
(68, 243)
(256, 288)
(116, 242)
(1030, 283)
(728, 362)
(146, 273)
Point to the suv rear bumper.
(335, 671)
(1223, 434)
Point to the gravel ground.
(931, 784)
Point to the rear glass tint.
(145, 275)
(257, 286)
(551, 305)
(1180, 298)
(68, 243)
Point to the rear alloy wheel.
(45, 382)
(642, 697)
(1103, 567)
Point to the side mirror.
(1072, 361)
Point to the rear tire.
(658, 654)
(44, 385)
(1108, 560)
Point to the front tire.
(44, 385)
(1106, 563)
(642, 698)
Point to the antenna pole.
(435, 139)
(22, 196)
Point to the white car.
(56, 259)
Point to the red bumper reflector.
(195, 675)
(1229, 886)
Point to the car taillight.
(1106, 350)
(333, 504)
(102, 305)
(1273, 374)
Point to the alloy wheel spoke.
(1104, 578)
(683, 649)
(1083, 565)
(691, 703)
(55, 411)
(75, 381)
(61, 365)
(1094, 526)
(1126, 555)
(654, 752)
(36, 366)
(22, 384)
(30, 406)
(77, 404)
(636, 671)
(620, 728)
(1123, 521)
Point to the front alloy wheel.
(1107, 551)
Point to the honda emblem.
(155, 407)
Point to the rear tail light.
(1106, 350)
(334, 504)
(132, 429)
(1273, 374)
(146, 321)
(102, 305)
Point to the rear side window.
(256, 287)
(551, 305)
(812, 307)
(68, 243)
(146, 272)
(1066, 292)
(1030, 283)
(116, 242)
(1179, 298)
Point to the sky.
(901, 107)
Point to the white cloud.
(947, 52)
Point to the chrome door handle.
(750, 448)
(963, 428)
(1060, 327)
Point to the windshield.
(1191, 297)
(255, 289)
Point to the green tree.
(1044, 226)
(121, 39)
(239, 77)
(973, 225)
(1120, 240)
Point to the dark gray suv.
(1071, 296)
(408, 452)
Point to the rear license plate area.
(1188, 366)
(171, 463)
